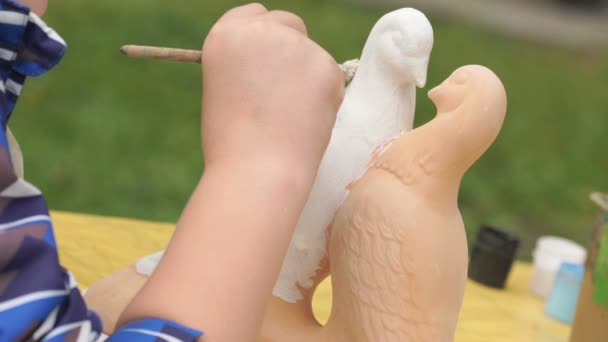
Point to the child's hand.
(270, 94)
(270, 97)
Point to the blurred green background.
(107, 135)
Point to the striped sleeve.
(39, 299)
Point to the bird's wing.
(372, 269)
(345, 160)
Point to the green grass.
(106, 135)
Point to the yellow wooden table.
(93, 247)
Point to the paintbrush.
(349, 68)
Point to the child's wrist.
(276, 173)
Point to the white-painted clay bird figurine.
(378, 106)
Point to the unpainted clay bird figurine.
(398, 246)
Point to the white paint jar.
(549, 254)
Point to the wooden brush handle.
(162, 53)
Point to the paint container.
(492, 256)
(549, 254)
(591, 320)
(561, 304)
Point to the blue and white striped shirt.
(39, 299)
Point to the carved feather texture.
(369, 257)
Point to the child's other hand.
(270, 94)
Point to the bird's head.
(451, 93)
(471, 107)
(403, 41)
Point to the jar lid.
(498, 241)
(562, 249)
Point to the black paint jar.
(492, 256)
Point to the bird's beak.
(432, 94)
(420, 73)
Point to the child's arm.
(39, 300)
(270, 98)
